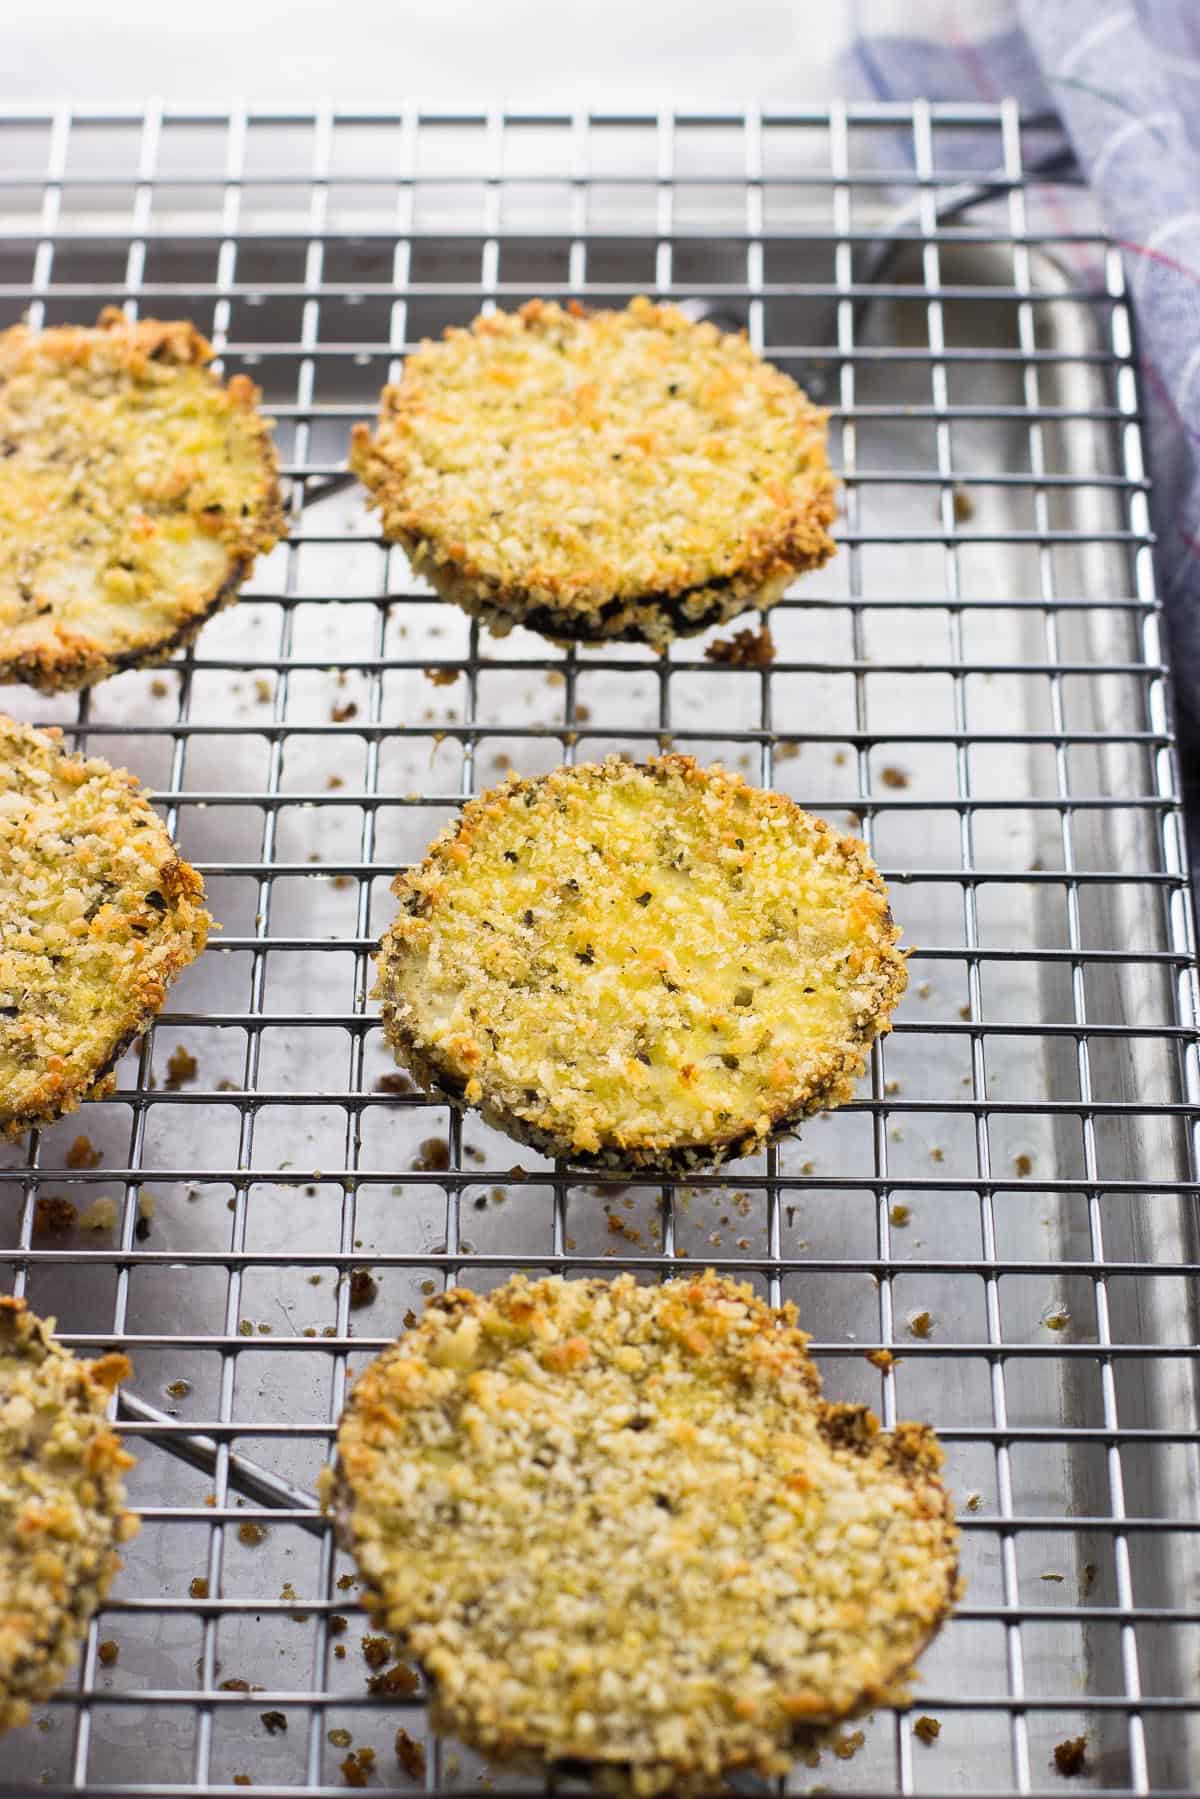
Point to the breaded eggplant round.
(621, 1530)
(653, 967)
(98, 914)
(62, 1504)
(595, 475)
(135, 492)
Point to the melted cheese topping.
(640, 960)
(135, 490)
(97, 916)
(617, 1524)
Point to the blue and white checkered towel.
(1124, 79)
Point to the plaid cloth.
(1124, 81)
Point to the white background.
(537, 52)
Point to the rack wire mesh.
(976, 682)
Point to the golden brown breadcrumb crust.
(135, 492)
(62, 1504)
(622, 1532)
(98, 914)
(654, 966)
(593, 475)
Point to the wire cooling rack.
(976, 683)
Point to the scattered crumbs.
(927, 1729)
(924, 990)
(808, 1168)
(376, 1651)
(1089, 1576)
(474, 1154)
(363, 1288)
(1023, 1165)
(101, 1215)
(314, 1280)
(555, 678)
(224, 1085)
(178, 1389)
(159, 688)
(936, 1154)
(340, 883)
(337, 1624)
(309, 1330)
(181, 1066)
(428, 1288)
(108, 1651)
(442, 677)
(433, 1155)
(882, 1358)
(53, 1213)
(396, 1084)
(339, 1650)
(198, 1587)
(410, 1319)
(786, 752)
(273, 1722)
(891, 1088)
(1056, 1578)
(242, 1780)
(145, 1214)
(964, 1012)
(339, 714)
(356, 1769)
(1070, 1757)
(900, 1215)
(502, 759)
(263, 691)
(234, 1686)
(974, 1502)
(398, 1680)
(847, 1747)
(333, 782)
(1058, 1319)
(963, 504)
(346, 1582)
(82, 1155)
(894, 777)
(341, 1739)
(410, 1754)
(839, 758)
(245, 1328)
(250, 1535)
(920, 1324)
(745, 649)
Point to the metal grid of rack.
(976, 683)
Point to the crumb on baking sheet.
(53, 1213)
(410, 1754)
(357, 1767)
(250, 1535)
(363, 1288)
(339, 1737)
(396, 1084)
(745, 649)
(442, 677)
(101, 1215)
(433, 1155)
(273, 1722)
(108, 1651)
(337, 1623)
(963, 504)
(181, 1066)
(376, 1651)
(974, 1502)
(1023, 1166)
(159, 688)
(83, 1153)
(198, 1587)
(895, 777)
(921, 1324)
(900, 1215)
(847, 1747)
(927, 1729)
(398, 1680)
(1070, 1757)
(883, 1359)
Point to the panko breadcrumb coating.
(649, 966)
(597, 475)
(620, 1529)
(98, 914)
(135, 492)
(62, 1504)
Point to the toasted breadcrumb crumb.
(1070, 1757)
(745, 649)
(927, 1729)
